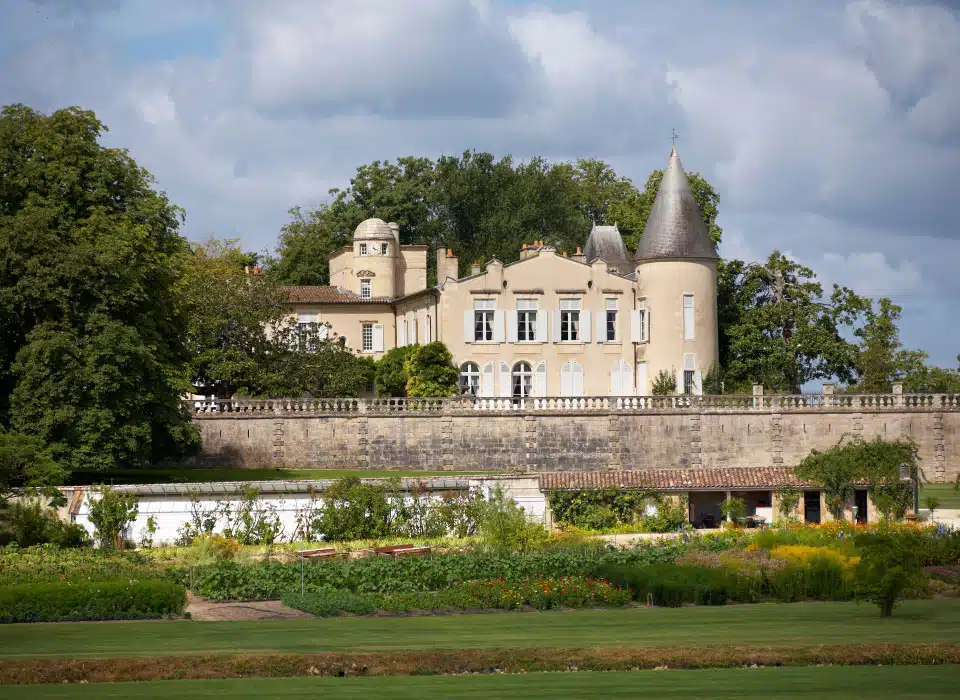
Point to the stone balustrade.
(771, 403)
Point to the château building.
(600, 322)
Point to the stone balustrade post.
(897, 390)
(758, 395)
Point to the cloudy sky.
(831, 129)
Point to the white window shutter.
(487, 383)
(511, 326)
(498, 336)
(541, 326)
(626, 378)
(679, 381)
(378, 337)
(566, 379)
(505, 385)
(636, 326)
(646, 326)
(556, 325)
(642, 379)
(585, 326)
(601, 327)
(468, 326)
(615, 387)
(540, 386)
(577, 379)
(689, 361)
(698, 383)
(402, 333)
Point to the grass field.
(856, 683)
(192, 476)
(945, 493)
(771, 624)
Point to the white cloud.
(830, 130)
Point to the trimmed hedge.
(103, 600)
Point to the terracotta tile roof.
(328, 295)
(674, 479)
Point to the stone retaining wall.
(581, 434)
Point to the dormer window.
(365, 289)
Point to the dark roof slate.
(675, 227)
(606, 243)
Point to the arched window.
(470, 378)
(571, 379)
(522, 380)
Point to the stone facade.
(586, 434)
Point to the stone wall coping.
(824, 403)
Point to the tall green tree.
(880, 360)
(786, 333)
(480, 206)
(92, 333)
(233, 318)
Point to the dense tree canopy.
(92, 334)
(478, 205)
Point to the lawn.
(945, 493)
(764, 624)
(856, 683)
(197, 475)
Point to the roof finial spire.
(674, 136)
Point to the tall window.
(526, 319)
(483, 310)
(611, 334)
(470, 378)
(364, 289)
(307, 330)
(569, 319)
(522, 380)
(367, 335)
(643, 325)
(688, 317)
(363, 249)
(428, 330)
(688, 381)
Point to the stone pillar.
(939, 450)
(446, 437)
(776, 438)
(363, 443)
(530, 441)
(897, 390)
(729, 496)
(757, 395)
(613, 439)
(278, 442)
(696, 457)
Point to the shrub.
(890, 568)
(353, 510)
(327, 601)
(390, 376)
(788, 499)
(733, 510)
(672, 585)
(110, 515)
(102, 600)
(430, 371)
(215, 548)
(504, 526)
(665, 383)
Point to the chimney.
(475, 268)
(453, 265)
(441, 265)
(579, 256)
(396, 234)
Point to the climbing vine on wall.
(598, 509)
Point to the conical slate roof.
(675, 228)
(605, 242)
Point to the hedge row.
(272, 580)
(547, 594)
(103, 600)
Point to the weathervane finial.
(674, 137)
